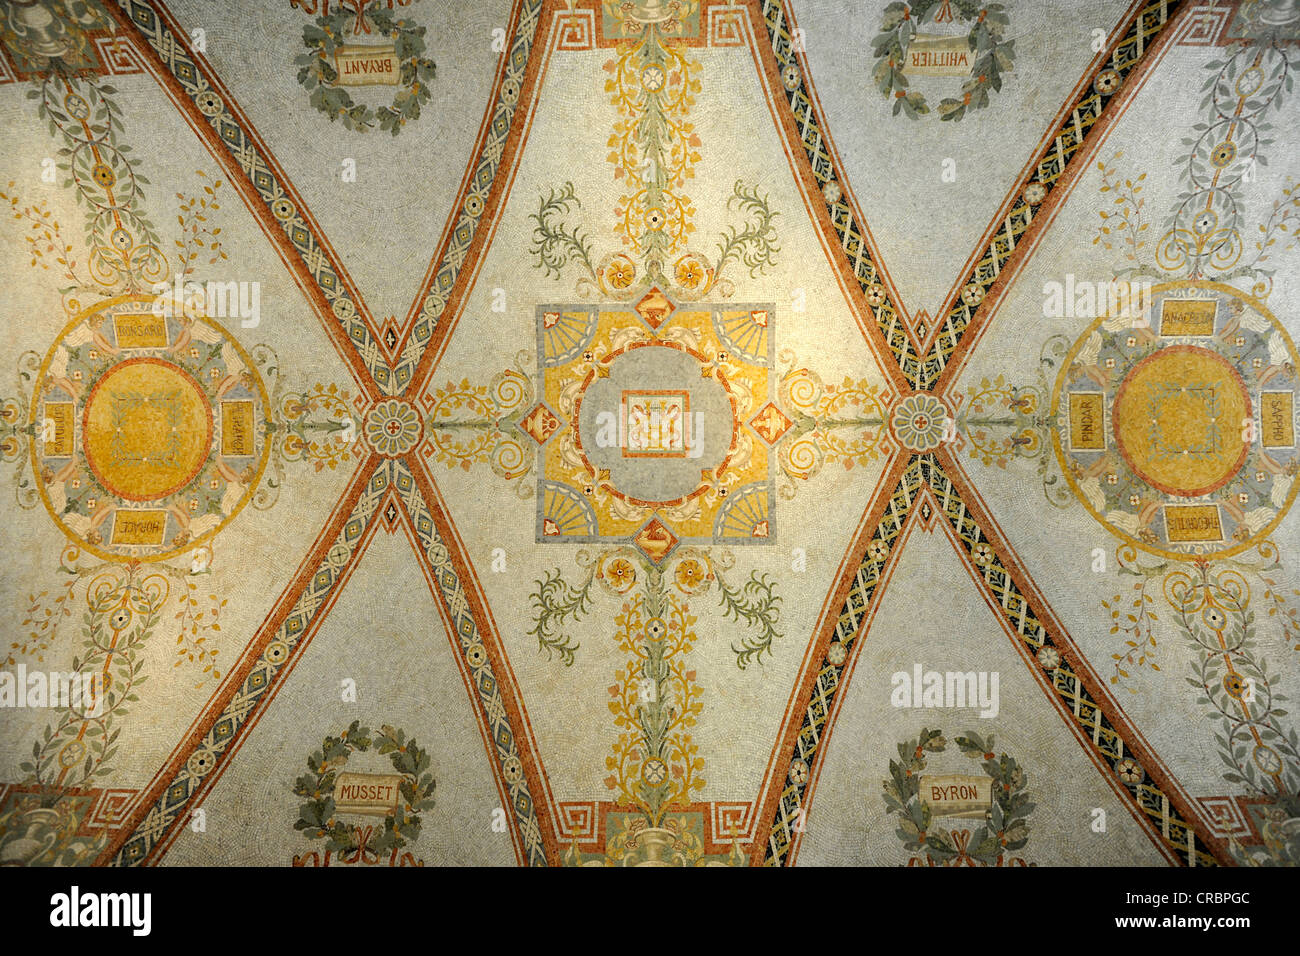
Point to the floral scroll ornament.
(992, 53)
(318, 820)
(752, 245)
(753, 602)
(334, 33)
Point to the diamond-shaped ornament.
(540, 423)
(770, 423)
(654, 308)
(655, 540)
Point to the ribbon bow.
(362, 25)
(362, 853)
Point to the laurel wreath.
(994, 55)
(316, 817)
(318, 75)
(1005, 827)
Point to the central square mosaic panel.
(655, 424)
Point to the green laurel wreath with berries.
(1005, 827)
(994, 55)
(316, 817)
(319, 76)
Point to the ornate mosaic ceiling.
(661, 432)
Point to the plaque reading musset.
(367, 65)
(966, 796)
(370, 794)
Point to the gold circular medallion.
(1176, 426)
(1178, 419)
(147, 429)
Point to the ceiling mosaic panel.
(649, 432)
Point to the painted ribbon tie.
(362, 25)
(961, 839)
(944, 13)
(361, 853)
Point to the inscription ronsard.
(140, 330)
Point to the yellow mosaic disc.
(1179, 418)
(1176, 425)
(148, 429)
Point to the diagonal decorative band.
(275, 656)
(174, 55)
(485, 681)
(922, 372)
(1051, 164)
(1152, 803)
(469, 218)
(852, 240)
